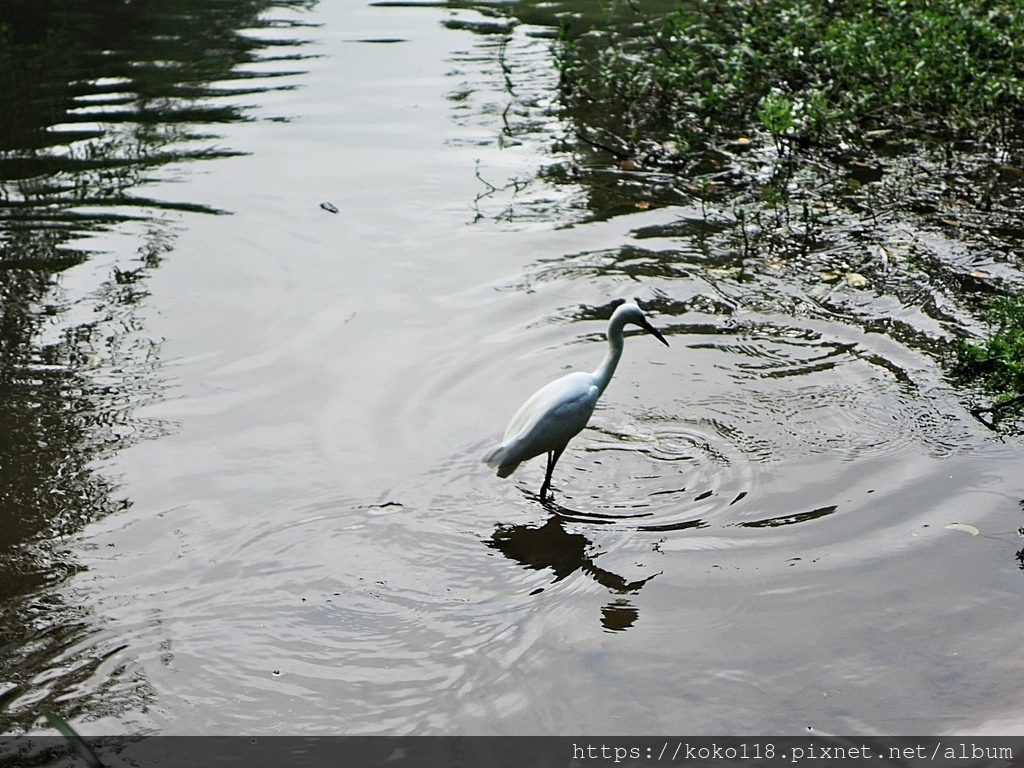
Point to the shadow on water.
(97, 101)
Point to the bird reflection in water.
(619, 615)
(550, 546)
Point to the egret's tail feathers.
(507, 469)
(493, 458)
(497, 459)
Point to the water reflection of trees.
(95, 100)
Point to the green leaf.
(71, 735)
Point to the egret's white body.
(559, 411)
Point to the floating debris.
(963, 527)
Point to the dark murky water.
(241, 433)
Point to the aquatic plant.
(997, 361)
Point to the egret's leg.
(547, 477)
(552, 460)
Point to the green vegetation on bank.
(807, 69)
(878, 110)
(997, 362)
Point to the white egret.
(559, 411)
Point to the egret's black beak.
(654, 332)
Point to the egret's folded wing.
(546, 422)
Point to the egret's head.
(629, 313)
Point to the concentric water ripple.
(699, 447)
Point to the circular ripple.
(733, 437)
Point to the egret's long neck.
(604, 372)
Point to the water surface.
(248, 387)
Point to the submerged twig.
(621, 155)
(995, 410)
